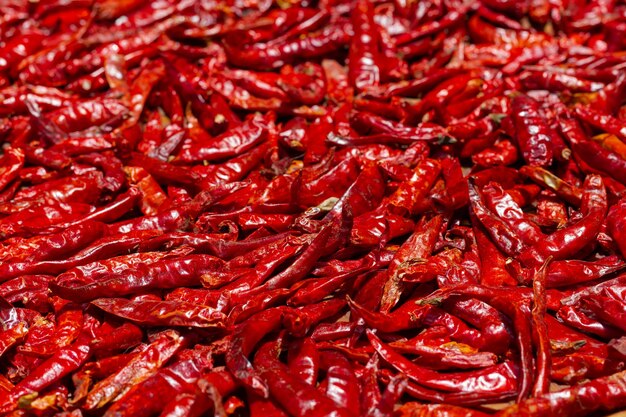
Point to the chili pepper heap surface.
(312, 208)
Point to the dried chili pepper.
(311, 209)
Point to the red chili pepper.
(143, 365)
(511, 214)
(60, 364)
(591, 153)
(584, 398)
(277, 54)
(304, 361)
(474, 380)
(294, 395)
(168, 382)
(419, 245)
(161, 313)
(501, 233)
(113, 339)
(245, 337)
(554, 81)
(170, 273)
(364, 58)
(560, 244)
(533, 133)
(238, 170)
(229, 144)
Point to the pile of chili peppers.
(312, 208)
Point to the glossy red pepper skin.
(229, 144)
(63, 362)
(162, 387)
(170, 273)
(560, 245)
(533, 133)
(364, 68)
(578, 400)
(290, 392)
(304, 361)
(446, 382)
(591, 153)
(245, 338)
(161, 313)
(419, 245)
(276, 54)
(256, 207)
(136, 370)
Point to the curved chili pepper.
(502, 234)
(477, 380)
(169, 273)
(232, 143)
(591, 152)
(143, 365)
(297, 397)
(494, 331)
(168, 382)
(576, 318)
(245, 337)
(579, 400)
(60, 364)
(504, 206)
(274, 55)
(161, 313)
(560, 244)
(533, 132)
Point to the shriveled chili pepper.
(364, 68)
(245, 337)
(602, 121)
(447, 382)
(161, 313)
(276, 54)
(590, 152)
(533, 133)
(502, 234)
(579, 400)
(418, 246)
(293, 394)
(228, 144)
(166, 274)
(321, 197)
(60, 364)
(138, 369)
(167, 382)
(560, 244)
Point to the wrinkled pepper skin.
(312, 208)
